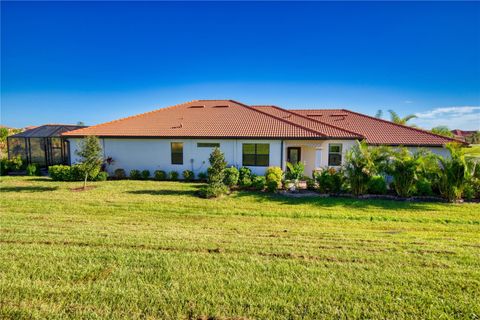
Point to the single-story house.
(182, 137)
(42, 145)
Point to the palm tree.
(395, 118)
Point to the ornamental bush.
(258, 183)
(245, 177)
(274, 176)
(377, 185)
(231, 177)
(135, 174)
(329, 180)
(188, 175)
(101, 176)
(160, 175)
(202, 176)
(33, 170)
(119, 174)
(173, 175)
(145, 174)
(60, 173)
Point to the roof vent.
(177, 127)
(338, 115)
(220, 106)
(196, 107)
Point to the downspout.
(281, 155)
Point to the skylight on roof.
(197, 107)
(224, 106)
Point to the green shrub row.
(9, 165)
(159, 175)
(74, 173)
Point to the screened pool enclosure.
(42, 145)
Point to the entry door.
(293, 154)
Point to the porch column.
(318, 157)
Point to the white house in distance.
(182, 137)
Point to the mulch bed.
(82, 189)
(309, 193)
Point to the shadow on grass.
(27, 189)
(336, 201)
(164, 192)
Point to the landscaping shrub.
(3, 166)
(231, 176)
(423, 187)
(329, 180)
(362, 163)
(13, 164)
(258, 183)
(101, 176)
(119, 174)
(135, 174)
(274, 177)
(210, 191)
(72, 173)
(405, 169)
(294, 171)
(311, 184)
(145, 174)
(377, 185)
(173, 175)
(216, 174)
(202, 176)
(77, 173)
(453, 174)
(245, 177)
(60, 173)
(33, 170)
(160, 175)
(188, 175)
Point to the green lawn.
(152, 250)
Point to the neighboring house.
(182, 137)
(462, 134)
(42, 145)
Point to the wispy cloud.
(408, 101)
(457, 117)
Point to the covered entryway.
(294, 154)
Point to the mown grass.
(146, 249)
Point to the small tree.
(90, 153)
(216, 175)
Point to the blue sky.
(63, 62)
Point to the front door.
(293, 154)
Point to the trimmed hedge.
(73, 173)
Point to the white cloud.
(458, 117)
(408, 101)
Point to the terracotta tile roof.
(206, 118)
(232, 119)
(329, 129)
(376, 131)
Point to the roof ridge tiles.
(318, 121)
(278, 118)
(402, 125)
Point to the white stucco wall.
(155, 154)
(314, 153)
